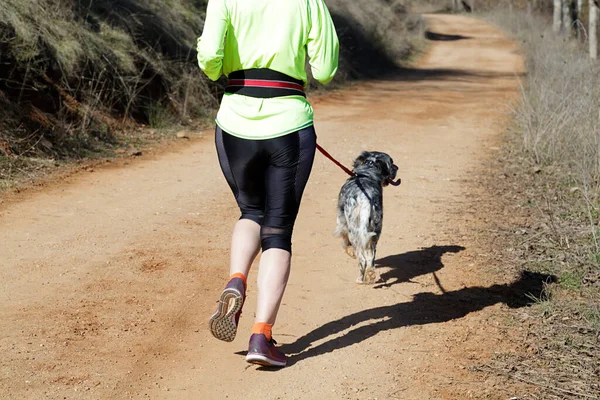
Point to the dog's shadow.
(406, 266)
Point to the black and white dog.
(360, 209)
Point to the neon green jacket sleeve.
(323, 45)
(274, 34)
(210, 45)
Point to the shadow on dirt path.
(425, 308)
(406, 266)
(435, 36)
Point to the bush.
(78, 68)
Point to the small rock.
(183, 135)
(46, 143)
(135, 153)
(537, 170)
(574, 189)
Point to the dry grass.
(559, 117)
(545, 190)
(76, 72)
(538, 224)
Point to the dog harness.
(264, 83)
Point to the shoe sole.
(264, 361)
(222, 324)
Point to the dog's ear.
(360, 160)
(386, 166)
(392, 169)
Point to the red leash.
(346, 170)
(336, 162)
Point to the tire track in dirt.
(108, 280)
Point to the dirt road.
(108, 280)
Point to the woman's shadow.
(406, 266)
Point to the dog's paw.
(371, 276)
(350, 251)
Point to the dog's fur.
(360, 210)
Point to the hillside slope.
(76, 73)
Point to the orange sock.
(265, 329)
(239, 275)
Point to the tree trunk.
(593, 30)
(567, 17)
(557, 16)
(578, 14)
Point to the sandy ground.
(108, 279)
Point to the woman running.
(265, 142)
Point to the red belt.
(261, 83)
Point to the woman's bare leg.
(273, 275)
(245, 245)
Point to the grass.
(571, 280)
(159, 117)
(79, 71)
(558, 118)
(548, 209)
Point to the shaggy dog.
(360, 209)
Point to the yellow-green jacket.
(273, 34)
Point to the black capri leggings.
(267, 178)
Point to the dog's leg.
(342, 232)
(362, 263)
(347, 245)
(350, 251)
(370, 275)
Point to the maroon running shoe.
(263, 352)
(224, 322)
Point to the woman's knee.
(279, 237)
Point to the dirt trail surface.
(108, 280)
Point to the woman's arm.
(211, 43)
(323, 45)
